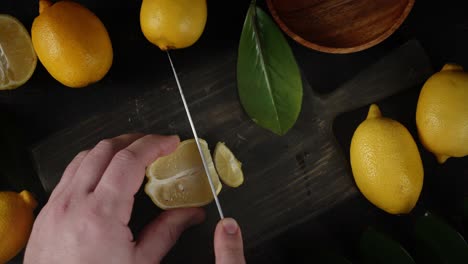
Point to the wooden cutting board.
(288, 179)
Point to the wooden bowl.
(339, 26)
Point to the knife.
(194, 131)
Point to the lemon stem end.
(441, 158)
(452, 67)
(29, 199)
(43, 5)
(374, 112)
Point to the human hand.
(86, 218)
(228, 244)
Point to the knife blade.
(194, 131)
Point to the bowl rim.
(398, 22)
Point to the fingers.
(228, 244)
(125, 173)
(160, 235)
(68, 174)
(95, 163)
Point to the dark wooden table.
(43, 108)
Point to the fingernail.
(230, 226)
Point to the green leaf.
(439, 241)
(376, 247)
(268, 78)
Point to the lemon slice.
(179, 179)
(17, 57)
(228, 167)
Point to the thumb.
(228, 243)
(158, 237)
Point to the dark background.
(43, 107)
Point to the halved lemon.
(228, 167)
(17, 57)
(179, 179)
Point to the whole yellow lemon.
(173, 24)
(386, 164)
(71, 43)
(16, 221)
(442, 113)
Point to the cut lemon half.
(228, 167)
(179, 179)
(17, 57)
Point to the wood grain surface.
(288, 179)
(339, 26)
